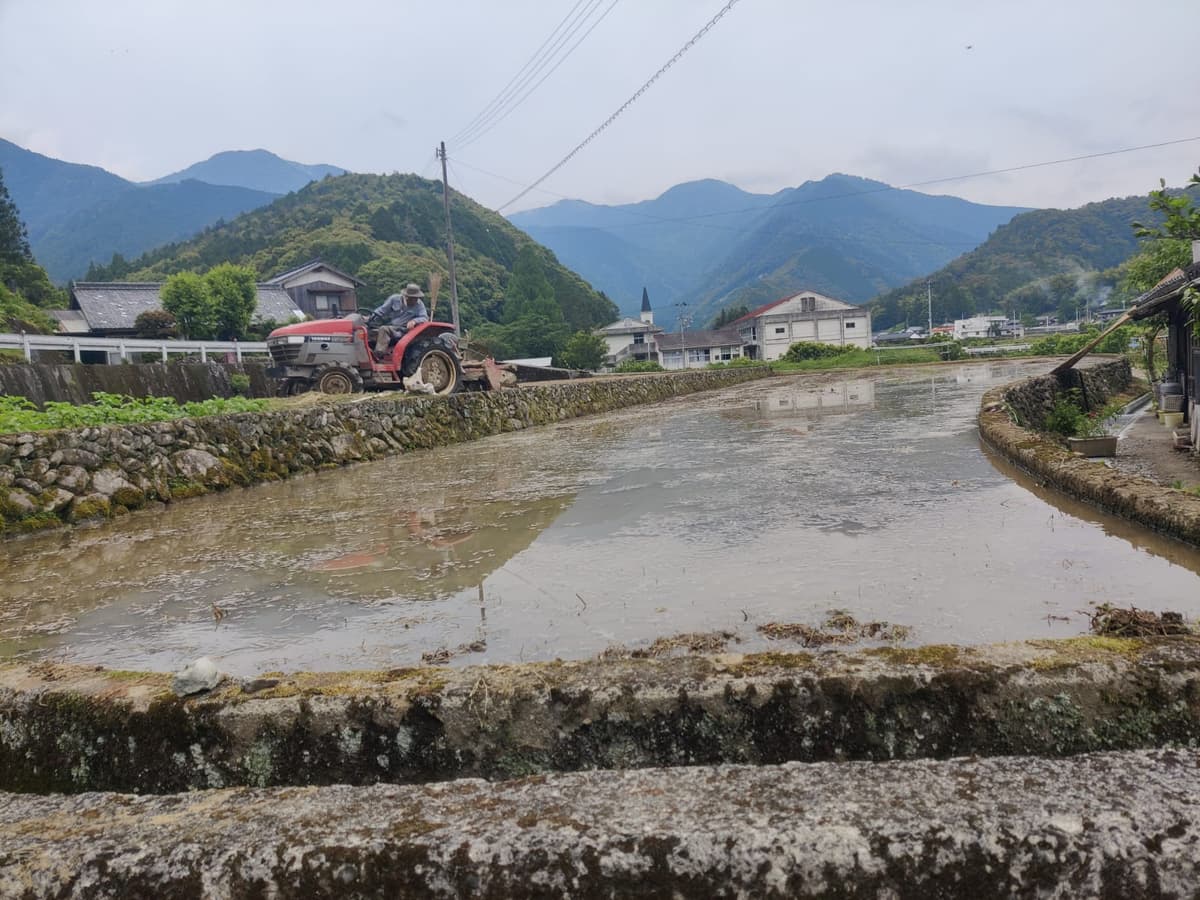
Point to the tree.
(14, 242)
(730, 314)
(1160, 257)
(155, 324)
(234, 296)
(186, 296)
(529, 290)
(1181, 219)
(584, 350)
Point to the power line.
(532, 59)
(510, 102)
(517, 103)
(624, 106)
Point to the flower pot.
(1172, 420)
(1103, 445)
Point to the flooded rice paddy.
(770, 502)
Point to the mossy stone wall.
(54, 478)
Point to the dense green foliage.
(388, 230)
(741, 362)
(1046, 261)
(218, 304)
(24, 287)
(802, 350)
(727, 315)
(18, 414)
(1180, 219)
(1066, 344)
(584, 350)
(155, 324)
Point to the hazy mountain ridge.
(386, 230)
(258, 170)
(1041, 261)
(720, 246)
(79, 214)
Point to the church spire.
(647, 312)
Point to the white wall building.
(987, 326)
(767, 332)
(630, 338)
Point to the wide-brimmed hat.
(413, 292)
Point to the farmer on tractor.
(402, 312)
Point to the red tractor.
(337, 356)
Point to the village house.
(631, 339)
(768, 332)
(111, 308)
(319, 290)
(699, 347)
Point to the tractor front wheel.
(335, 379)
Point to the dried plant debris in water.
(689, 642)
(442, 656)
(839, 628)
(1111, 621)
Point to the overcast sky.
(779, 92)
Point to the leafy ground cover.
(19, 414)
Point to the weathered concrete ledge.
(70, 729)
(1172, 512)
(1121, 825)
(54, 478)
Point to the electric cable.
(508, 103)
(638, 93)
(517, 103)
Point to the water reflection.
(773, 501)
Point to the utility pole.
(929, 300)
(441, 153)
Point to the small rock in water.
(202, 675)
(258, 684)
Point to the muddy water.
(775, 501)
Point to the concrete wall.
(52, 478)
(185, 381)
(74, 728)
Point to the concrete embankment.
(48, 479)
(185, 381)
(1121, 825)
(1008, 421)
(71, 729)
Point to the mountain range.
(77, 215)
(712, 245)
(386, 230)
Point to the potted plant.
(1091, 436)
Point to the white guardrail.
(221, 351)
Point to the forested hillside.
(25, 290)
(1045, 261)
(389, 230)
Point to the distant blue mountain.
(710, 244)
(77, 214)
(259, 170)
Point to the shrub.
(802, 350)
(240, 384)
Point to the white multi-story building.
(767, 332)
(696, 349)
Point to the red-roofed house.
(807, 316)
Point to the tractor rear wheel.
(437, 365)
(335, 379)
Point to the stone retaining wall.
(185, 381)
(1032, 399)
(1163, 509)
(70, 729)
(52, 478)
(1109, 825)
